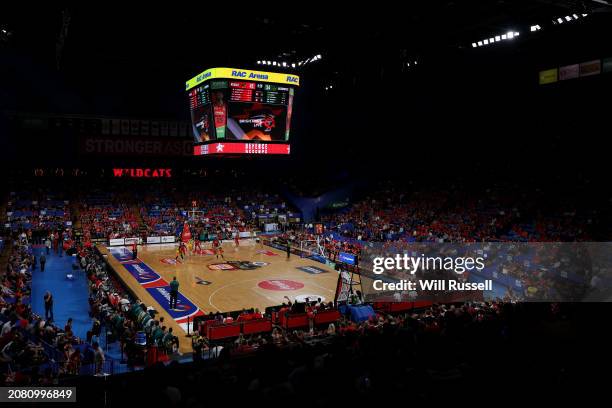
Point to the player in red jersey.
(198, 248)
(183, 250)
(219, 252)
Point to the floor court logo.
(266, 252)
(200, 281)
(280, 284)
(221, 267)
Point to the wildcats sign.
(235, 73)
(143, 173)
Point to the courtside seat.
(326, 317)
(381, 306)
(223, 331)
(422, 303)
(206, 325)
(294, 321)
(396, 307)
(256, 326)
(400, 306)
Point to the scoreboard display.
(237, 111)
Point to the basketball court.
(250, 276)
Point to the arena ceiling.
(117, 48)
(187, 39)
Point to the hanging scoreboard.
(236, 111)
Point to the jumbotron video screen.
(236, 111)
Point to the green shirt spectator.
(174, 286)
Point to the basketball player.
(190, 246)
(219, 251)
(178, 253)
(198, 248)
(237, 241)
(183, 250)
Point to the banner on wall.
(569, 72)
(606, 65)
(132, 241)
(590, 68)
(548, 76)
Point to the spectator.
(48, 298)
(99, 358)
(174, 290)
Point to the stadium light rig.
(568, 18)
(533, 28)
(292, 64)
(496, 38)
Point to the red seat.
(381, 306)
(326, 317)
(206, 324)
(295, 321)
(223, 331)
(422, 303)
(400, 306)
(257, 326)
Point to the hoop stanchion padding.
(361, 313)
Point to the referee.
(174, 286)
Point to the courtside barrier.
(294, 321)
(256, 326)
(218, 331)
(149, 240)
(397, 307)
(223, 331)
(326, 317)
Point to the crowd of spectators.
(433, 354)
(38, 212)
(128, 320)
(33, 349)
(105, 215)
(497, 214)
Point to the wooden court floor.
(228, 290)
